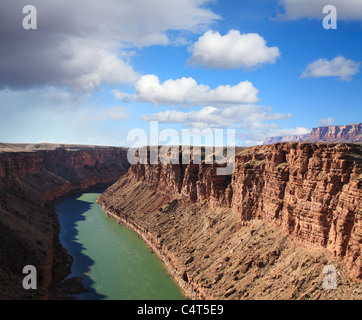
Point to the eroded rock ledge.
(224, 236)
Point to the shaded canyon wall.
(31, 178)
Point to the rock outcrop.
(31, 178)
(351, 133)
(311, 192)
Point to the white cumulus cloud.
(187, 92)
(340, 67)
(88, 66)
(254, 123)
(232, 51)
(242, 116)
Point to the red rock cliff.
(312, 191)
(31, 176)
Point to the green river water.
(112, 259)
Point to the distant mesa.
(351, 133)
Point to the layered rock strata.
(312, 191)
(345, 133)
(307, 192)
(32, 177)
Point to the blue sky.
(94, 70)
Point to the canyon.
(32, 178)
(345, 133)
(265, 232)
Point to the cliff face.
(51, 173)
(311, 192)
(31, 177)
(351, 133)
